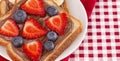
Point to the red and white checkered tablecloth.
(102, 42)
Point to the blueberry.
(49, 45)
(52, 36)
(20, 16)
(17, 41)
(52, 10)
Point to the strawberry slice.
(57, 23)
(34, 7)
(33, 49)
(9, 28)
(32, 29)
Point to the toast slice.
(61, 44)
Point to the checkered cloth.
(102, 42)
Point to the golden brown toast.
(62, 43)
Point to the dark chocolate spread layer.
(41, 20)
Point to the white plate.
(77, 10)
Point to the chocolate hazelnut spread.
(20, 52)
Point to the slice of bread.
(59, 48)
(65, 43)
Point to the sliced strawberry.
(33, 49)
(57, 23)
(34, 7)
(9, 28)
(32, 29)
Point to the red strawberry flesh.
(57, 23)
(32, 29)
(9, 28)
(34, 7)
(33, 49)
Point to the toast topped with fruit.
(36, 30)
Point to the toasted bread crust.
(77, 28)
(65, 43)
(12, 54)
(3, 42)
(65, 7)
(9, 50)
